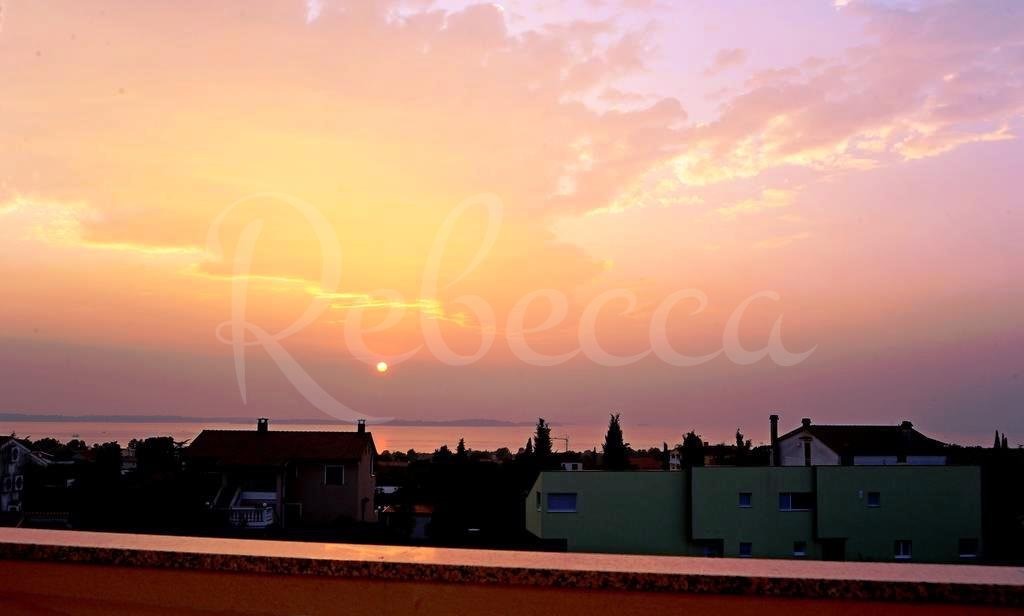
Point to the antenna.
(562, 438)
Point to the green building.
(609, 511)
(871, 513)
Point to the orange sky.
(866, 171)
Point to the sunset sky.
(861, 159)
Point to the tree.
(107, 461)
(156, 455)
(526, 453)
(1006, 444)
(997, 443)
(743, 447)
(692, 452)
(48, 445)
(460, 450)
(542, 440)
(442, 454)
(666, 463)
(614, 448)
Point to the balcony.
(70, 572)
(251, 517)
(252, 509)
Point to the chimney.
(361, 426)
(806, 422)
(905, 429)
(774, 421)
(262, 424)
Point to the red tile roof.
(275, 448)
(646, 463)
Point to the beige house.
(262, 478)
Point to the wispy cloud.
(431, 308)
(769, 199)
(314, 8)
(726, 59)
(61, 223)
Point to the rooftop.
(871, 440)
(274, 448)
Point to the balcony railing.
(251, 517)
(70, 572)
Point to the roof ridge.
(833, 425)
(282, 431)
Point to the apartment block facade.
(860, 513)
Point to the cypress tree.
(542, 440)
(614, 447)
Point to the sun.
(382, 367)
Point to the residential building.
(752, 511)
(869, 513)
(261, 478)
(16, 457)
(34, 487)
(819, 445)
(610, 511)
(675, 460)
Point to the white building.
(15, 458)
(822, 445)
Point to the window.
(19, 482)
(745, 500)
(334, 475)
(799, 548)
(14, 454)
(292, 512)
(874, 499)
(538, 500)
(7, 484)
(561, 502)
(968, 548)
(713, 548)
(746, 549)
(902, 549)
(796, 501)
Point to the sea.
(386, 437)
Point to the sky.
(691, 212)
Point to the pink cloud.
(726, 59)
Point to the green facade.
(717, 514)
(618, 512)
(934, 507)
(824, 512)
